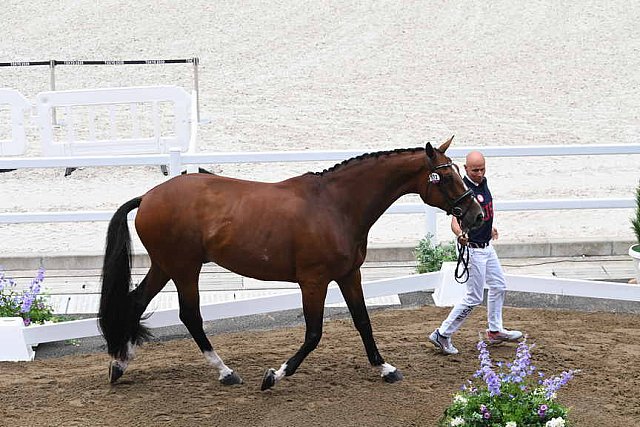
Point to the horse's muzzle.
(469, 222)
(478, 221)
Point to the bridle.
(454, 209)
(461, 273)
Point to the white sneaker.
(442, 343)
(502, 336)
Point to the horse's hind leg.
(351, 288)
(190, 315)
(140, 298)
(313, 296)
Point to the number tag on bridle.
(434, 178)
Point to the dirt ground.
(170, 383)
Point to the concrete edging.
(399, 253)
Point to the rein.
(463, 260)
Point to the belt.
(478, 245)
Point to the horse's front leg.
(351, 288)
(313, 296)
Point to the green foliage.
(430, 257)
(508, 395)
(28, 304)
(635, 219)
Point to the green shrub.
(430, 257)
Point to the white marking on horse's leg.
(280, 373)
(131, 351)
(215, 360)
(386, 369)
(131, 354)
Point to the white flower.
(511, 424)
(539, 391)
(458, 398)
(555, 422)
(458, 421)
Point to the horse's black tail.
(119, 322)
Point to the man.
(483, 266)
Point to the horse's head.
(445, 189)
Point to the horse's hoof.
(269, 379)
(115, 371)
(393, 377)
(231, 379)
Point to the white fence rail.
(176, 160)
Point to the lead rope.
(463, 260)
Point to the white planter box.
(14, 347)
(634, 252)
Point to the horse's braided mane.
(366, 156)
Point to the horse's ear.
(446, 145)
(429, 149)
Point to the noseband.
(454, 209)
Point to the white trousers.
(484, 267)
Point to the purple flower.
(27, 301)
(521, 366)
(485, 412)
(542, 410)
(469, 387)
(488, 375)
(552, 385)
(29, 296)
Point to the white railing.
(176, 160)
(104, 122)
(132, 123)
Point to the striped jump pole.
(53, 63)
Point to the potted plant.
(509, 394)
(634, 250)
(28, 303)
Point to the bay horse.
(310, 229)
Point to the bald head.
(474, 157)
(474, 166)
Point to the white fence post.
(18, 105)
(175, 162)
(431, 222)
